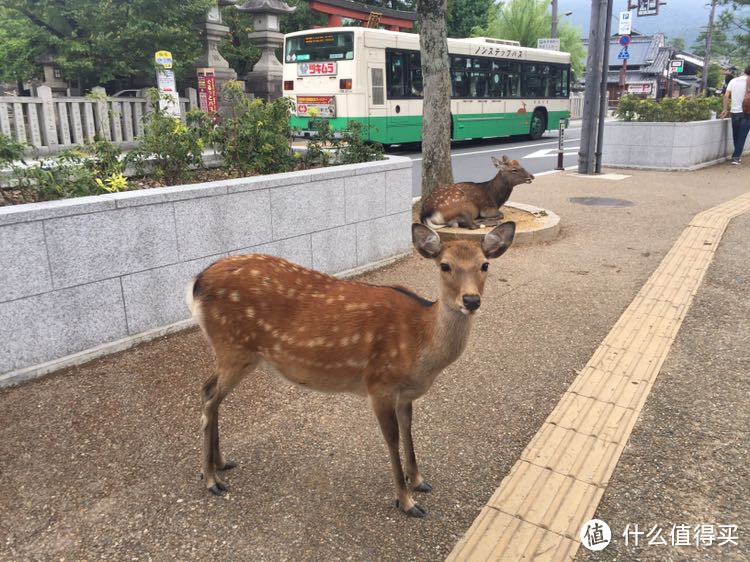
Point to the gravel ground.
(687, 461)
(102, 460)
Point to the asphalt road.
(472, 159)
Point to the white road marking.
(547, 152)
(496, 150)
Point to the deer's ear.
(500, 164)
(498, 240)
(426, 241)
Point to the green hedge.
(670, 110)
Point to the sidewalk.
(102, 460)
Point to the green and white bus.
(374, 76)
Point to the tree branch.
(41, 23)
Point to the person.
(736, 90)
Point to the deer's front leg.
(385, 411)
(404, 414)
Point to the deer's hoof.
(230, 464)
(417, 511)
(423, 487)
(218, 489)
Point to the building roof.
(366, 9)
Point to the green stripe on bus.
(400, 129)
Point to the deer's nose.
(472, 302)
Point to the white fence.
(49, 124)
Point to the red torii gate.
(395, 20)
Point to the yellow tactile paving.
(556, 485)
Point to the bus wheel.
(538, 125)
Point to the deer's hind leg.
(215, 389)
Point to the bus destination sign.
(316, 69)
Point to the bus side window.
(562, 78)
(415, 75)
(478, 87)
(396, 75)
(513, 81)
(460, 84)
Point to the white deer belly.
(323, 377)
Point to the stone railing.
(88, 276)
(49, 124)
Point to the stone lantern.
(213, 31)
(265, 79)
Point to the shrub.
(255, 137)
(169, 147)
(10, 150)
(682, 109)
(354, 148)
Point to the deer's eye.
(445, 267)
(485, 266)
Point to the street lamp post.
(555, 19)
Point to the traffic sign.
(624, 40)
(676, 65)
(626, 24)
(623, 55)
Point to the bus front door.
(376, 113)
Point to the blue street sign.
(625, 40)
(623, 55)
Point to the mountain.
(678, 18)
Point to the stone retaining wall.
(80, 273)
(667, 146)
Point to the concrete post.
(597, 28)
(603, 93)
(49, 122)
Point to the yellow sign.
(163, 59)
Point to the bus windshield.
(320, 47)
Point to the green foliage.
(168, 147)
(99, 41)
(10, 150)
(19, 47)
(677, 43)
(464, 15)
(354, 149)
(526, 21)
(236, 47)
(682, 109)
(87, 170)
(715, 76)
(255, 138)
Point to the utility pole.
(554, 19)
(603, 91)
(707, 57)
(594, 63)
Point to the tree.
(677, 43)
(526, 21)
(436, 118)
(96, 41)
(19, 48)
(464, 15)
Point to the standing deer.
(461, 204)
(335, 335)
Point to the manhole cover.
(602, 201)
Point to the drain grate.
(602, 201)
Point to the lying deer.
(335, 335)
(461, 204)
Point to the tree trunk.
(436, 116)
